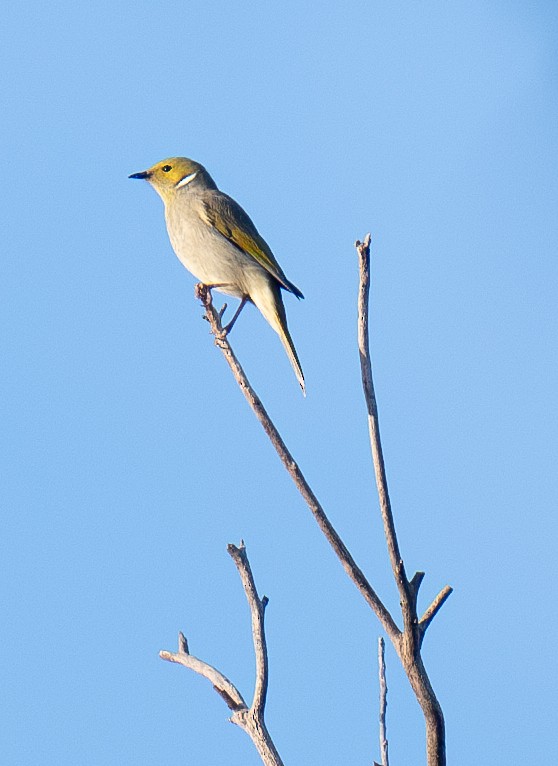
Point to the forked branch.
(250, 719)
(408, 645)
(352, 569)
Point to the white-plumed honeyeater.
(218, 243)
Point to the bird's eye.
(166, 168)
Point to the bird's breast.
(208, 255)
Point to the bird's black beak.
(143, 174)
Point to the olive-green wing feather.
(230, 220)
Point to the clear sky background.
(129, 458)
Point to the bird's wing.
(230, 220)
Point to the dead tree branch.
(250, 719)
(383, 702)
(409, 642)
(349, 564)
(433, 609)
(257, 610)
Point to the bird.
(215, 239)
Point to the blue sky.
(129, 458)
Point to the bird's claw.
(202, 292)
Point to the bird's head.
(175, 173)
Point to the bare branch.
(183, 644)
(383, 702)
(363, 249)
(409, 642)
(415, 582)
(251, 720)
(220, 683)
(347, 561)
(257, 610)
(434, 608)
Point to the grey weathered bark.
(250, 719)
(383, 702)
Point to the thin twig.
(383, 702)
(347, 561)
(434, 608)
(251, 720)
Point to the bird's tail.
(287, 341)
(270, 303)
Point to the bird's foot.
(227, 328)
(203, 293)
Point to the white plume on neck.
(186, 180)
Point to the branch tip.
(236, 550)
(416, 582)
(365, 244)
(434, 608)
(183, 643)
